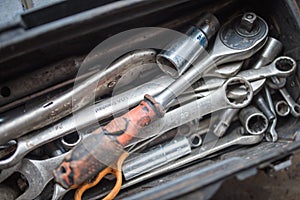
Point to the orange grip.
(105, 145)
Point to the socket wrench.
(232, 44)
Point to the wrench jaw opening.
(244, 94)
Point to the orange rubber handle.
(105, 145)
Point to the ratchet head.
(240, 38)
(241, 99)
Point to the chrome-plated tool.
(178, 56)
(232, 44)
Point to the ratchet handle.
(105, 145)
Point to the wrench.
(59, 192)
(101, 110)
(294, 107)
(215, 101)
(236, 137)
(57, 108)
(273, 69)
(203, 126)
(228, 47)
(27, 143)
(272, 133)
(269, 52)
(38, 173)
(282, 108)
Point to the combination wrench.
(294, 107)
(232, 44)
(267, 55)
(38, 173)
(282, 66)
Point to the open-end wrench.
(37, 173)
(234, 43)
(236, 137)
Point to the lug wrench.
(112, 138)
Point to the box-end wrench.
(282, 66)
(38, 173)
(254, 121)
(236, 137)
(267, 55)
(294, 107)
(256, 86)
(282, 108)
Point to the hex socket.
(254, 121)
(156, 157)
(178, 56)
